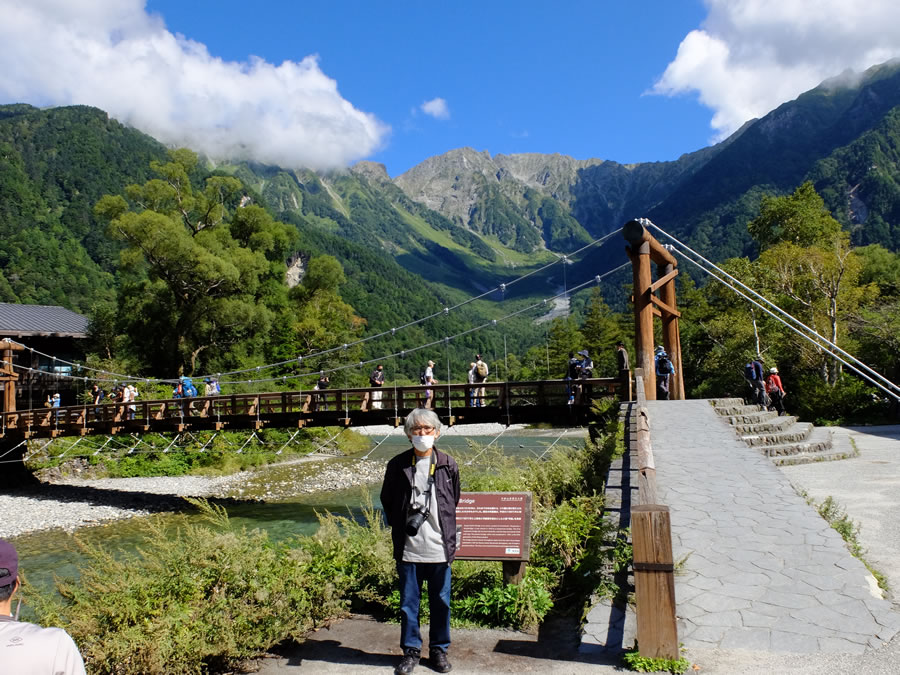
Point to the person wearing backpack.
(573, 372)
(664, 372)
(376, 379)
(755, 376)
(470, 378)
(481, 375)
(775, 390)
(428, 379)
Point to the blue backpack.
(749, 371)
(188, 388)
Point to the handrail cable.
(811, 330)
(796, 330)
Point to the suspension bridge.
(542, 401)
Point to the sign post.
(495, 526)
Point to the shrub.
(193, 598)
(515, 606)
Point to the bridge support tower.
(654, 298)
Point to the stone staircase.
(784, 440)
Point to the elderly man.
(24, 647)
(419, 497)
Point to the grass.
(836, 516)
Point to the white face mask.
(423, 443)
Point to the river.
(54, 552)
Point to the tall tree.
(200, 282)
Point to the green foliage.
(515, 606)
(838, 519)
(194, 598)
(800, 219)
(562, 534)
(646, 664)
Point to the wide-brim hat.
(584, 352)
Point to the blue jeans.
(411, 577)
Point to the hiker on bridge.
(470, 378)
(427, 378)
(573, 372)
(481, 375)
(622, 357)
(376, 379)
(28, 648)
(664, 372)
(419, 496)
(775, 390)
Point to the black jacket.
(396, 495)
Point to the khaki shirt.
(27, 649)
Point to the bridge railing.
(303, 404)
(651, 537)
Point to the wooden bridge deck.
(503, 402)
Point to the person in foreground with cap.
(27, 649)
(419, 496)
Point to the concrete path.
(760, 569)
(867, 487)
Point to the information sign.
(494, 526)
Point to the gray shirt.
(27, 649)
(428, 545)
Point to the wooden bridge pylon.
(643, 250)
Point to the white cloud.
(437, 108)
(750, 56)
(113, 55)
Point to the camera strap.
(430, 482)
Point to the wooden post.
(654, 582)
(8, 375)
(513, 571)
(643, 315)
(646, 467)
(671, 338)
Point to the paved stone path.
(760, 569)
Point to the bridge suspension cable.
(804, 331)
(112, 376)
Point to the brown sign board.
(493, 526)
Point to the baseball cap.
(9, 562)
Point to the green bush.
(516, 606)
(561, 536)
(194, 598)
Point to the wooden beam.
(664, 307)
(662, 280)
(635, 233)
(654, 582)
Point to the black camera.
(414, 522)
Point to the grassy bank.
(211, 595)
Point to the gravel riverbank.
(70, 503)
(77, 502)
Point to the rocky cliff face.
(469, 187)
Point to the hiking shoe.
(409, 661)
(439, 662)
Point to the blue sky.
(329, 83)
(516, 77)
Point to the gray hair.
(421, 417)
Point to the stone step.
(756, 417)
(726, 402)
(798, 433)
(737, 409)
(818, 441)
(771, 425)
